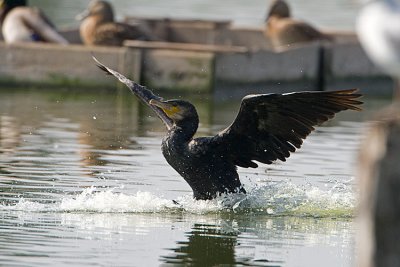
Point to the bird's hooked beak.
(168, 108)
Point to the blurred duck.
(284, 30)
(98, 27)
(378, 28)
(20, 23)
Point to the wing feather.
(271, 126)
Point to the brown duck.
(284, 30)
(99, 28)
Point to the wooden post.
(379, 177)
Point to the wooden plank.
(179, 22)
(185, 46)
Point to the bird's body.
(283, 30)
(268, 127)
(28, 24)
(99, 28)
(201, 162)
(287, 31)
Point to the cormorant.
(268, 127)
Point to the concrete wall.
(347, 65)
(63, 65)
(266, 66)
(349, 60)
(178, 70)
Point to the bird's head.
(279, 9)
(98, 8)
(176, 110)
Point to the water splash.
(273, 198)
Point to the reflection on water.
(60, 239)
(220, 246)
(83, 182)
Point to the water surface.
(83, 182)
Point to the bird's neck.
(185, 130)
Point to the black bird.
(268, 127)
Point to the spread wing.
(271, 126)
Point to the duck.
(99, 28)
(283, 30)
(20, 23)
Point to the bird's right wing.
(141, 92)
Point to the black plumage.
(268, 127)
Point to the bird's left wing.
(144, 94)
(271, 126)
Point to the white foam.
(275, 198)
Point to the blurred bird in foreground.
(378, 28)
(284, 30)
(99, 28)
(20, 23)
